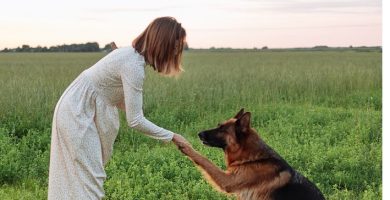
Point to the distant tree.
(91, 47)
(321, 47)
(37, 49)
(264, 48)
(26, 48)
(53, 49)
(107, 47)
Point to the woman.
(86, 121)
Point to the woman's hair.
(161, 43)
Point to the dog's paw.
(186, 149)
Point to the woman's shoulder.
(132, 63)
(129, 54)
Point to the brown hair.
(161, 43)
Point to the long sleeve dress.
(86, 123)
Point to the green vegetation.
(320, 110)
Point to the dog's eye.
(219, 124)
(222, 128)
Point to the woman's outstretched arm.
(132, 76)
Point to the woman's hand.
(181, 143)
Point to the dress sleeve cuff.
(169, 136)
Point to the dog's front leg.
(220, 179)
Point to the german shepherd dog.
(254, 170)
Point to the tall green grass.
(320, 110)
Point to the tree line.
(94, 47)
(86, 47)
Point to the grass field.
(320, 110)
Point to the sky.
(209, 23)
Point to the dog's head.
(231, 134)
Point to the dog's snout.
(202, 135)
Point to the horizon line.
(211, 47)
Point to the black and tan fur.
(254, 170)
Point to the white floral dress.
(86, 123)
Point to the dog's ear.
(243, 123)
(239, 114)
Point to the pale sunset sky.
(218, 23)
